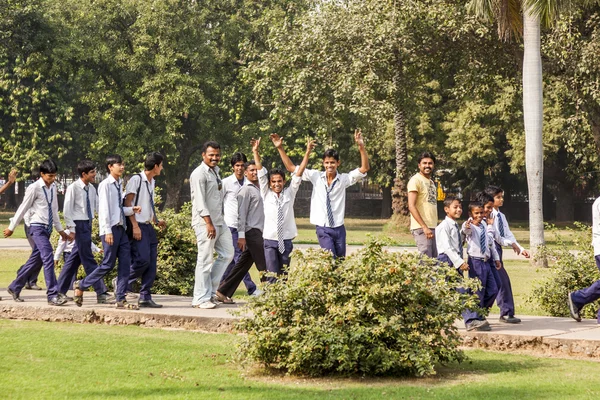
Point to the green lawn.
(5, 217)
(58, 360)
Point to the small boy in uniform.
(448, 239)
(480, 250)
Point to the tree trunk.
(399, 191)
(533, 117)
(177, 177)
(386, 203)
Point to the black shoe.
(574, 311)
(149, 304)
(15, 296)
(510, 319)
(478, 325)
(64, 296)
(33, 286)
(57, 301)
(106, 298)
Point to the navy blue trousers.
(120, 249)
(143, 261)
(504, 299)
(250, 285)
(482, 270)
(468, 315)
(276, 261)
(42, 253)
(589, 294)
(81, 254)
(33, 275)
(333, 239)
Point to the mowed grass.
(5, 217)
(60, 360)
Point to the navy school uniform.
(503, 237)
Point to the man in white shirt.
(113, 223)
(41, 198)
(209, 225)
(280, 224)
(328, 199)
(81, 203)
(578, 299)
(144, 243)
(231, 186)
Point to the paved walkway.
(539, 335)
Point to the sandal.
(77, 294)
(224, 299)
(127, 306)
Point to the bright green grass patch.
(64, 360)
(5, 217)
(11, 261)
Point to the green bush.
(569, 271)
(374, 313)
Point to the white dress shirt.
(109, 200)
(207, 199)
(146, 216)
(67, 247)
(75, 207)
(508, 239)
(337, 196)
(271, 202)
(231, 186)
(473, 233)
(35, 201)
(448, 240)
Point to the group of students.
(135, 250)
(252, 209)
(248, 218)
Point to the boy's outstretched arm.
(310, 145)
(255, 145)
(278, 143)
(364, 158)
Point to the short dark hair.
(237, 157)
(484, 198)
(493, 190)
(113, 159)
(251, 162)
(210, 143)
(474, 204)
(152, 160)
(331, 153)
(450, 199)
(85, 166)
(276, 171)
(48, 167)
(425, 154)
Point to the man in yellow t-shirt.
(422, 204)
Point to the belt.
(39, 224)
(480, 258)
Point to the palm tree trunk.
(399, 191)
(533, 117)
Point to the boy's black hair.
(331, 153)
(48, 167)
(85, 166)
(474, 204)
(493, 190)
(210, 143)
(484, 198)
(152, 160)
(449, 200)
(237, 157)
(113, 159)
(251, 162)
(276, 171)
(425, 154)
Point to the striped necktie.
(460, 248)
(118, 186)
(50, 216)
(280, 244)
(88, 204)
(500, 224)
(328, 204)
(483, 240)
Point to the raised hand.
(12, 175)
(358, 138)
(276, 139)
(255, 143)
(310, 144)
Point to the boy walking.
(480, 250)
(113, 224)
(212, 234)
(41, 199)
(144, 244)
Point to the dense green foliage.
(374, 313)
(573, 268)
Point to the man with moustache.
(422, 204)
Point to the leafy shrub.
(570, 271)
(373, 313)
